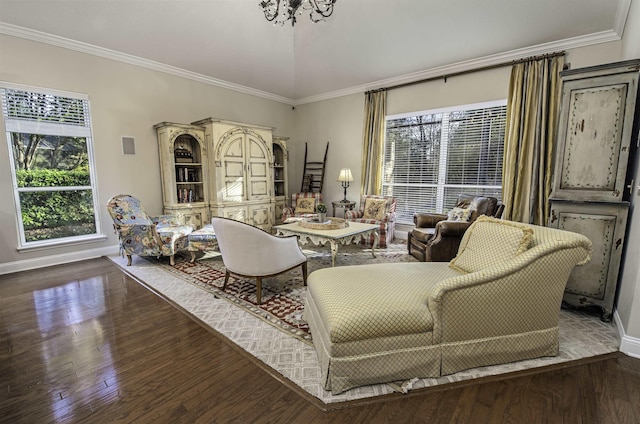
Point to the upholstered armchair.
(436, 237)
(380, 210)
(140, 234)
(251, 252)
(301, 203)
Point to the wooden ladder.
(313, 173)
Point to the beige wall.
(472, 88)
(339, 122)
(126, 100)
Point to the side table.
(344, 205)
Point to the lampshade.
(345, 175)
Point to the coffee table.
(354, 232)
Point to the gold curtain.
(375, 111)
(530, 139)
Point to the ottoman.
(202, 240)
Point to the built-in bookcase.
(183, 162)
(280, 181)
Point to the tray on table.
(329, 224)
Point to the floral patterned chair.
(301, 203)
(379, 210)
(140, 234)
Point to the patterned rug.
(276, 334)
(283, 296)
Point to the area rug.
(283, 296)
(276, 334)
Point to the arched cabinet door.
(245, 167)
(258, 169)
(242, 176)
(232, 163)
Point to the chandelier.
(281, 11)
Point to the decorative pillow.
(374, 208)
(460, 214)
(305, 205)
(490, 241)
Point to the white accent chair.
(250, 252)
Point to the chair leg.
(259, 290)
(304, 273)
(226, 280)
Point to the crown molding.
(569, 43)
(620, 19)
(469, 65)
(54, 40)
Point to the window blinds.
(431, 157)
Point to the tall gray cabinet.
(596, 144)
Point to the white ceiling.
(365, 44)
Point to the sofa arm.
(521, 295)
(389, 217)
(287, 212)
(452, 228)
(428, 220)
(353, 214)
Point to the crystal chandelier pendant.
(281, 11)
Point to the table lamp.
(345, 178)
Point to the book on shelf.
(187, 175)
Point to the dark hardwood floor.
(84, 342)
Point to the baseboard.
(628, 345)
(44, 261)
(401, 230)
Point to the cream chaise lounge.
(498, 301)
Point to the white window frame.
(48, 128)
(440, 185)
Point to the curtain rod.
(470, 71)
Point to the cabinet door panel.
(593, 140)
(239, 213)
(591, 279)
(279, 207)
(605, 225)
(233, 171)
(258, 189)
(594, 132)
(261, 216)
(258, 178)
(234, 148)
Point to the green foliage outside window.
(50, 143)
(55, 214)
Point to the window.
(49, 136)
(431, 157)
